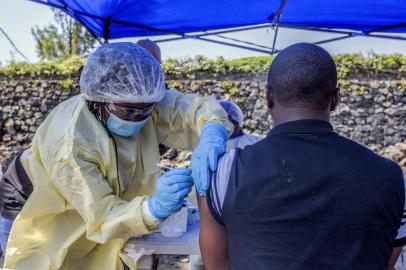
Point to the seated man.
(304, 197)
(238, 139)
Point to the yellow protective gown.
(81, 213)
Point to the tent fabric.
(131, 18)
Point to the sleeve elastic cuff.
(150, 221)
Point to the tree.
(68, 37)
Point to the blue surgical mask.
(124, 128)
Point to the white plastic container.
(176, 224)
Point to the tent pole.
(386, 37)
(276, 21)
(274, 38)
(198, 37)
(106, 30)
(326, 30)
(215, 33)
(333, 31)
(348, 33)
(245, 42)
(332, 39)
(227, 31)
(231, 44)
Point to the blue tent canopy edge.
(110, 19)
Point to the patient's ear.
(336, 100)
(269, 98)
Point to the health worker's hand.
(172, 188)
(213, 143)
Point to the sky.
(17, 17)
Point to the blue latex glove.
(172, 188)
(213, 143)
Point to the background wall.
(372, 112)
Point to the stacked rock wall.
(372, 112)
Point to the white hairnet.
(122, 73)
(233, 110)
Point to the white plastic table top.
(187, 244)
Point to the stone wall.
(372, 112)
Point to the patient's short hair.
(303, 74)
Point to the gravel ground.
(166, 262)
(170, 262)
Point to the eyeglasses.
(126, 113)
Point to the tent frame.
(274, 23)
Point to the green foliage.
(250, 64)
(358, 89)
(399, 85)
(199, 64)
(239, 100)
(343, 83)
(348, 66)
(67, 38)
(174, 85)
(230, 87)
(376, 65)
(226, 85)
(67, 84)
(233, 91)
(67, 68)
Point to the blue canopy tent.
(110, 19)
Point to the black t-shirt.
(307, 198)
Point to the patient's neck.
(282, 115)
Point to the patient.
(304, 197)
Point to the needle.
(164, 167)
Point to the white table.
(187, 244)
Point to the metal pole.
(233, 45)
(214, 33)
(274, 38)
(276, 23)
(332, 39)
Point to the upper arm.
(400, 240)
(212, 238)
(213, 234)
(394, 257)
(180, 117)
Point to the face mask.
(124, 128)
